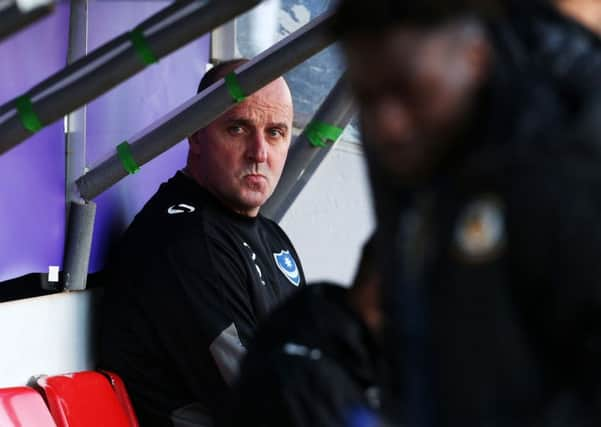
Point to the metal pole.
(14, 17)
(202, 109)
(304, 158)
(78, 245)
(75, 161)
(107, 66)
(80, 226)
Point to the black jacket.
(549, 42)
(313, 363)
(190, 283)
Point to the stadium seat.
(121, 391)
(23, 407)
(85, 399)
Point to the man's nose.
(392, 120)
(256, 149)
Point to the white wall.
(45, 335)
(330, 220)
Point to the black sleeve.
(279, 389)
(196, 298)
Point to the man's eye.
(235, 130)
(276, 133)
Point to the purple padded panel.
(32, 175)
(131, 107)
(32, 193)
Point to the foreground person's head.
(416, 68)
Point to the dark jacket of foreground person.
(313, 363)
(503, 248)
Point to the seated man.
(315, 359)
(199, 267)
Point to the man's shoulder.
(168, 217)
(568, 157)
(178, 217)
(271, 226)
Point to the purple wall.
(129, 108)
(32, 197)
(32, 175)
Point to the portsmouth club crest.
(480, 231)
(287, 266)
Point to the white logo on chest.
(480, 230)
(253, 257)
(180, 208)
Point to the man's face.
(240, 156)
(416, 88)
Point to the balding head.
(219, 71)
(239, 157)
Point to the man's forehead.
(399, 52)
(375, 58)
(257, 114)
(400, 43)
(275, 91)
(266, 106)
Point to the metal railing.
(306, 154)
(202, 109)
(110, 64)
(14, 17)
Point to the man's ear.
(194, 142)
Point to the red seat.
(23, 407)
(85, 399)
(121, 392)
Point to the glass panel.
(312, 80)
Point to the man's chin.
(402, 174)
(254, 199)
(400, 167)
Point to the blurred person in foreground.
(314, 361)
(485, 163)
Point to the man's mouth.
(255, 178)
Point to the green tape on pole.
(233, 86)
(141, 46)
(318, 133)
(28, 117)
(127, 160)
